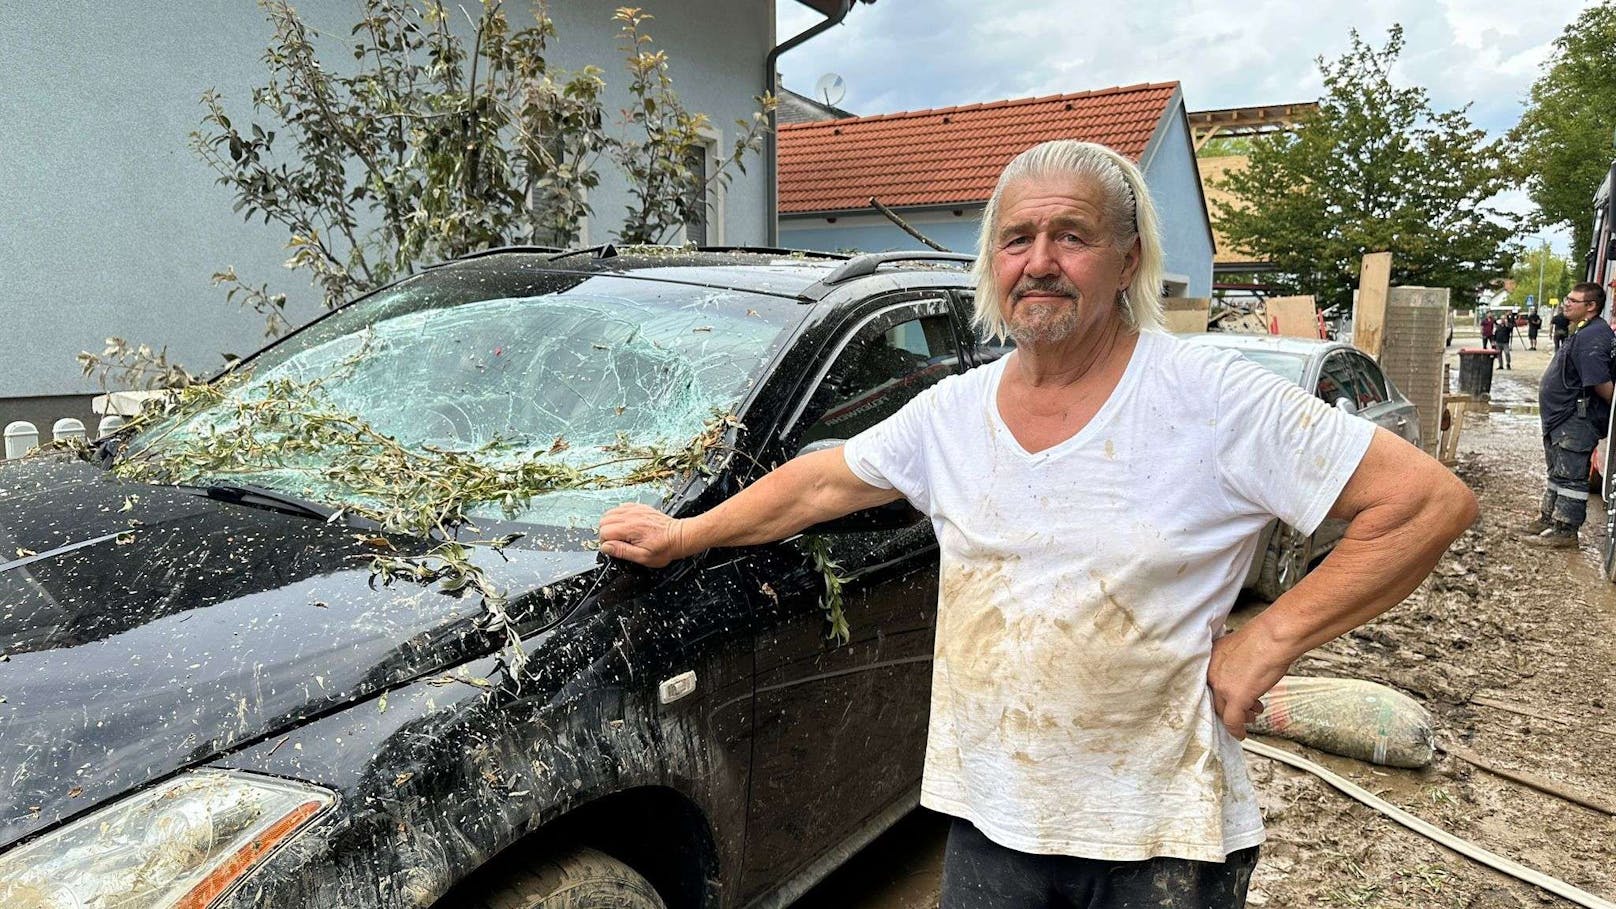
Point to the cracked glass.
(575, 375)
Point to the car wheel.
(1284, 563)
(580, 879)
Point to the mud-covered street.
(1511, 649)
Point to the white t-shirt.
(1082, 588)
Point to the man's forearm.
(797, 495)
(1387, 551)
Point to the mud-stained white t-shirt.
(1082, 587)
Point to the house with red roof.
(937, 168)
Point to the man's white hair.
(1128, 213)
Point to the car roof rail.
(868, 263)
(776, 251)
(496, 250)
(603, 251)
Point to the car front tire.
(582, 878)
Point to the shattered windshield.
(547, 403)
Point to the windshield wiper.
(242, 494)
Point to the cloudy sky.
(913, 54)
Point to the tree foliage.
(1563, 139)
(1556, 272)
(428, 145)
(1375, 169)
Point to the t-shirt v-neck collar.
(1096, 423)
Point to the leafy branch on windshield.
(294, 432)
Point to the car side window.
(881, 369)
(1371, 381)
(1337, 380)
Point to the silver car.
(1343, 376)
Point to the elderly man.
(1097, 496)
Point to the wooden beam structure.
(1206, 125)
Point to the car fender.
(450, 771)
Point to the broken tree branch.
(905, 227)
(1545, 786)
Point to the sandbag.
(1349, 717)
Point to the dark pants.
(1566, 450)
(980, 874)
(1531, 338)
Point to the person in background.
(1559, 326)
(1574, 406)
(1534, 322)
(1503, 331)
(1488, 325)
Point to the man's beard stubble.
(1046, 331)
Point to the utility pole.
(1542, 256)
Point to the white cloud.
(911, 54)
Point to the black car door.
(840, 727)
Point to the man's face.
(1578, 305)
(1054, 258)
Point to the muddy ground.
(1532, 633)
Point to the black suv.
(208, 699)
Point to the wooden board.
(1455, 405)
(1184, 315)
(1293, 317)
(1369, 312)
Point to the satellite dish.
(830, 88)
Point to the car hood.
(144, 629)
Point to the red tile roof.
(951, 154)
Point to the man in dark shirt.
(1574, 405)
(1559, 327)
(1533, 323)
(1501, 337)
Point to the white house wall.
(110, 225)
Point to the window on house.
(699, 197)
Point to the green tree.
(429, 145)
(1556, 273)
(1563, 140)
(1375, 169)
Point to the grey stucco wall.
(1175, 186)
(110, 226)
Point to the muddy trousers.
(980, 874)
(1566, 449)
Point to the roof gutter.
(771, 147)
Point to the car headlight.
(178, 846)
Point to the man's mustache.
(1058, 286)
